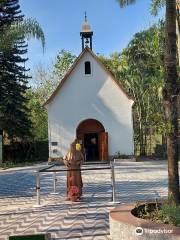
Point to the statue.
(74, 160)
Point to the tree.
(14, 114)
(156, 4)
(170, 94)
(124, 3)
(63, 61)
(38, 115)
(43, 83)
(28, 28)
(139, 69)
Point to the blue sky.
(61, 21)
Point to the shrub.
(170, 214)
(121, 156)
(157, 212)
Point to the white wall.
(90, 97)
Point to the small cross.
(85, 17)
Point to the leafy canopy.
(155, 4)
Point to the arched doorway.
(94, 140)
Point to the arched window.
(87, 67)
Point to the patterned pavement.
(84, 220)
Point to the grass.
(170, 214)
(7, 165)
(28, 237)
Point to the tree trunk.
(170, 92)
(1, 146)
(141, 139)
(178, 29)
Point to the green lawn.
(7, 165)
(29, 237)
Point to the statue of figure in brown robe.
(73, 160)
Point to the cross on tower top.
(85, 17)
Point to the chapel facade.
(90, 105)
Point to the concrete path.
(87, 219)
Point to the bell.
(87, 41)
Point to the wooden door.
(103, 146)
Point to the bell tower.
(86, 34)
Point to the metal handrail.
(54, 171)
(73, 169)
(48, 167)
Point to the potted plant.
(150, 220)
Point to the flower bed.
(125, 225)
(159, 213)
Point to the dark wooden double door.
(94, 140)
(96, 146)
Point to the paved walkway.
(87, 219)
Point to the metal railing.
(107, 165)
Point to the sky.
(61, 21)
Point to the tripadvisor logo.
(139, 231)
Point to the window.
(54, 143)
(55, 151)
(87, 68)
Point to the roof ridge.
(86, 49)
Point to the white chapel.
(91, 106)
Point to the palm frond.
(29, 28)
(156, 5)
(124, 3)
(32, 29)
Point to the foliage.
(38, 116)
(19, 152)
(160, 213)
(124, 3)
(44, 82)
(63, 62)
(13, 164)
(139, 68)
(170, 214)
(28, 28)
(156, 5)
(14, 117)
(171, 90)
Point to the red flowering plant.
(73, 191)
